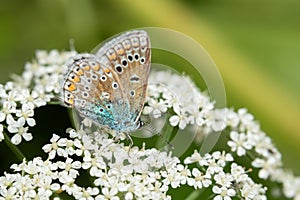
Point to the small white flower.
(223, 193)
(7, 109)
(238, 173)
(239, 143)
(247, 121)
(180, 119)
(18, 128)
(223, 179)
(219, 117)
(185, 173)
(108, 194)
(199, 179)
(213, 167)
(155, 107)
(171, 177)
(87, 194)
(70, 167)
(32, 97)
(13, 95)
(27, 113)
(268, 166)
(196, 157)
(52, 148)
(222, 158)
(232, 118)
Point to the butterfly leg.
(130, 139)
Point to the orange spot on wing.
(87, 68)
(96, 67)
(112, 56)
(120, 51)
(75, 79)
(70, 101)
(79, 72)
(70, 87)
(106, 70)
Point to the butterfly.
(110, 86)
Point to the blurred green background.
(254, 43)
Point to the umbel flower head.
(114, 170)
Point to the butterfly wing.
(129, 57)
(110, 87)
(89, 87)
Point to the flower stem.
(72, 118)
(55, 103)
(194, 195)
(13, 147)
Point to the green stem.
(55, 103)
(72, 119)
(194, 195)
(13, 147)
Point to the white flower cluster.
(236, 182)
(119, 172)
(122, 173)
(34, 88)
(179, 93)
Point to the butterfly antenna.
(154, 130)
(72, 44)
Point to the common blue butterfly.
(110, 86)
